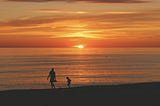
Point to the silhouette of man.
(52, 76)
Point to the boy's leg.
(68, 85)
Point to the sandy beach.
(141, 94)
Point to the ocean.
(28, 68)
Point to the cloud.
(98, 30)
(59, 11)
(62, 22)
(109, 26)
(88, 1)
(72, 12)
(30, 21)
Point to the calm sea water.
(27, 68)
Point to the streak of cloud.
(60, 11)
(88, 1)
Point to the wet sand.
(142, 94)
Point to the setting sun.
(79, 46)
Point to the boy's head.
(67, 77)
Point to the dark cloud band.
(89, 1)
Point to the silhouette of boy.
(68, 82)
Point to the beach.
(139, 94)
(80, 52)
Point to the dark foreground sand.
(144, 94)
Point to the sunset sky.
(92, 23)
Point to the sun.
(79, 46)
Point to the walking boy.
(68, 82)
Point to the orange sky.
(93, 23)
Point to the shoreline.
(85, 86)
(139, 94)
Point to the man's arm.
(48, 76)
